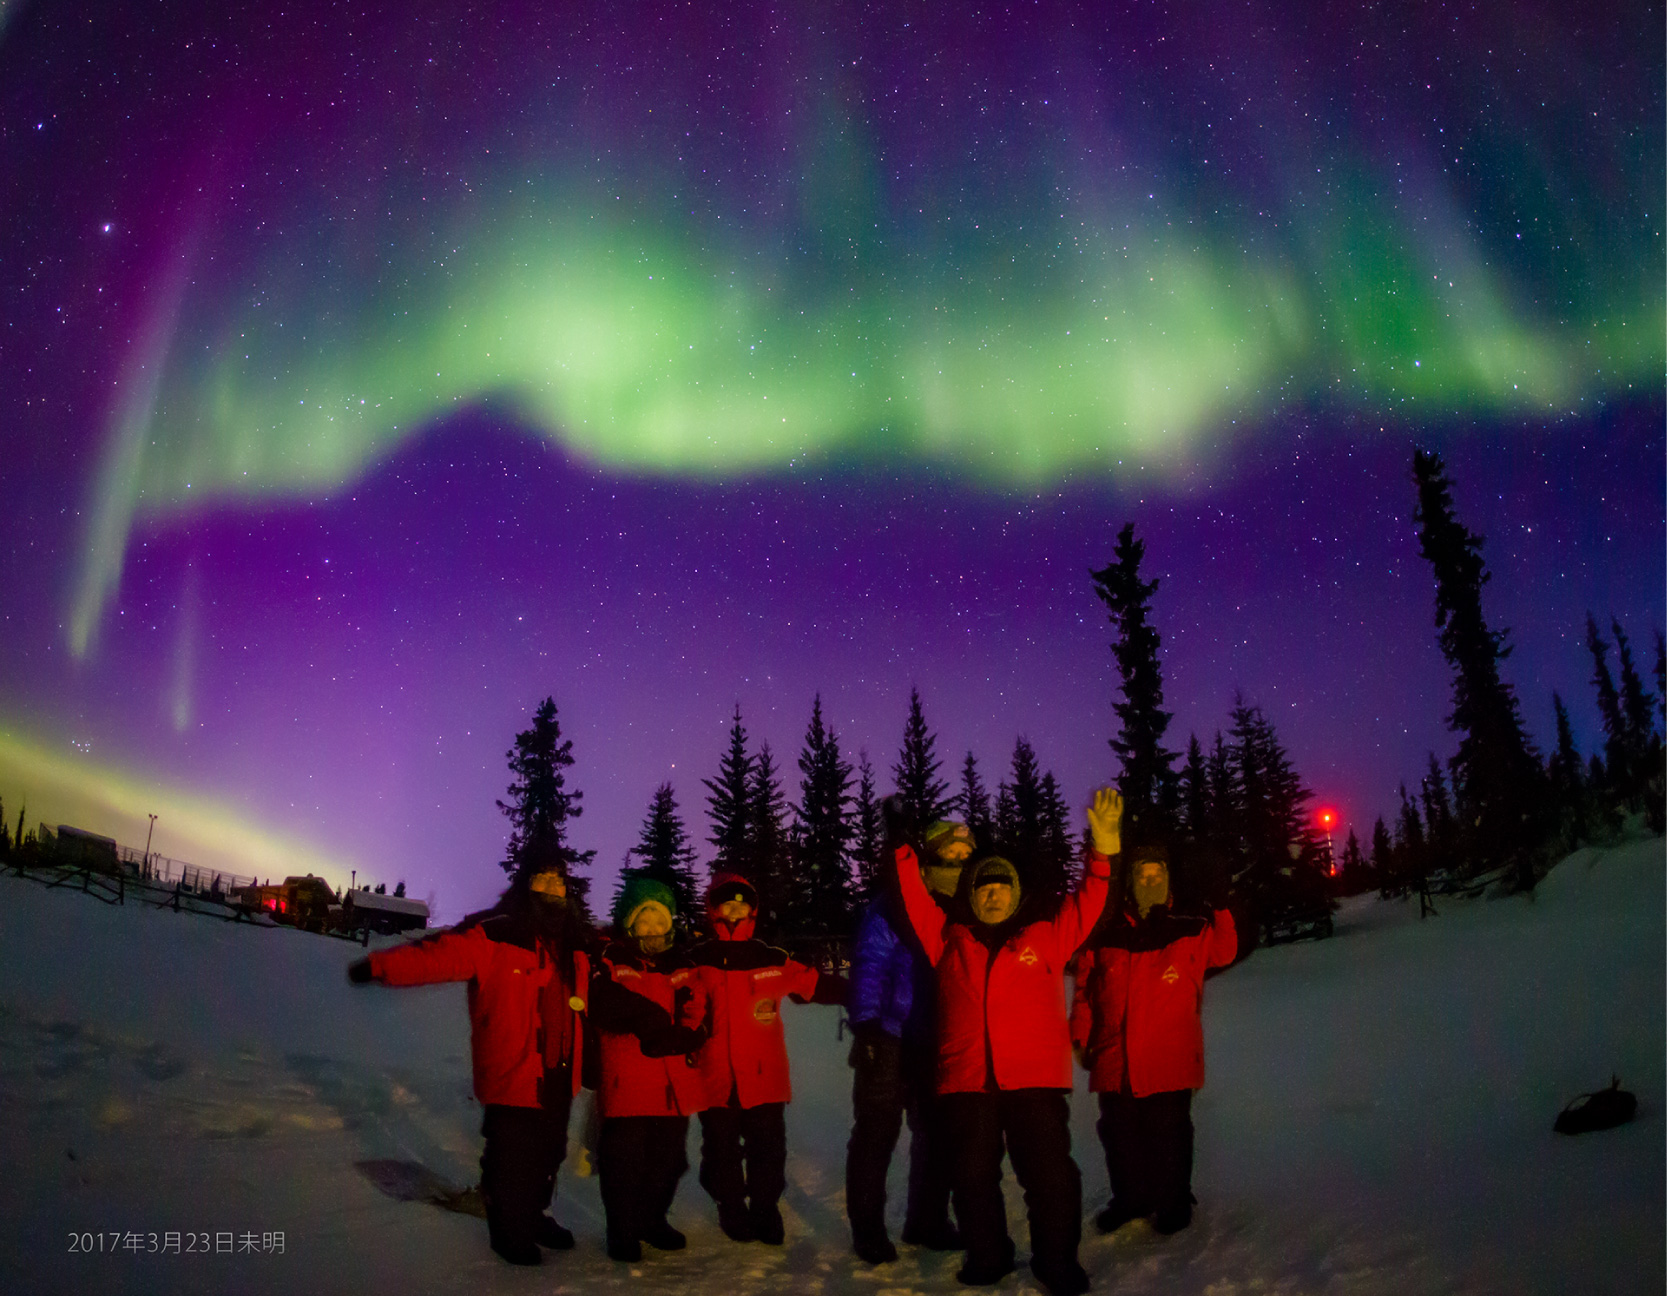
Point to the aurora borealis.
(371, 375)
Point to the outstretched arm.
(447, 956)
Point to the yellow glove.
(1105, 821)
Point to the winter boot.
(625, 1250)
(733, 1220)
(872, 1245)
(525, 1253)
(940, 1237)
(1172, 1219)
(766, 1225)
(1061, 1280)
(971, 1275)
(663, 1237)
(1116, 1214)
(553, 1235)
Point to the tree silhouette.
(915, 775)
(665, 852)
(1142, 721)
(729, 803)
(819, 896)
(540, 803)
(973, 803)
(868, 843)
(1497, 773)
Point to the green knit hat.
(637, 894)
(945, 832)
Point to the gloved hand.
(901, 828)
(1105, 821)
(1080, 1053)
(359, 973)
(669, 1041)
(680, 1000)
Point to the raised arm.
(924, 915)
(1224, 938)
(1105, 827)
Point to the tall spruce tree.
(1638, 713)
(729, 803)
(770, 862)
(664, 851)
(1384, 865)
(1145, 781)
(819, 898)
(1053, 873)
(1565, 775)
(1440, 831)
(973, 803)
(540, 802)
(1278, 875)
(1609, 710)
(1496, 770)
(868, 843)
(925, 796)
(1195, 792)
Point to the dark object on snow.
(411, 1181)
(1603, 1109)
(359, 973)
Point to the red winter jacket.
(747, 980)
(1138, 1000)
(1008, 1006)
(633, 1084)
(519, 1008)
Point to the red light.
(1328, 818)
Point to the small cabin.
(78, 848)
(384, 914)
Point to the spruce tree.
(1496, 771)
(1053, 874)
(1438, 816)
(1353, 866)
(1195, 792)
(1638, 715)
(540, 802)
(868, 843)
(819, 901)
(973, 803)
(1142, 721)
(770, 861)
(925, 795)
(1564, 774)
(664, 851)
(729, 803)
(1384, 863)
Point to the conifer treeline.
(1233, 817)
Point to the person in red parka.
(1137, 1020)
(743, 1143)
(528, 971)
(1004, 1048)
(649, 1085)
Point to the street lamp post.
(148, 836)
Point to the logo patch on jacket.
(1170, 975)
(764, 1010)
(1029, 956)
(764, 974)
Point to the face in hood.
(732, 905)
(1149, 884)
(993, 890)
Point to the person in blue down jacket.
(894, 1055)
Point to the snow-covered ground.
(1377, 1119)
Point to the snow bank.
(1377, 1118)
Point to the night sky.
(368, 374)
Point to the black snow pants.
(891, 1081)
(640, 1160)
(524, 1149)
(1148, 1146)
(1033, 1127)
(743, 1156)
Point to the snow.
(1377, 1118)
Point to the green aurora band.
(1126, 340)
